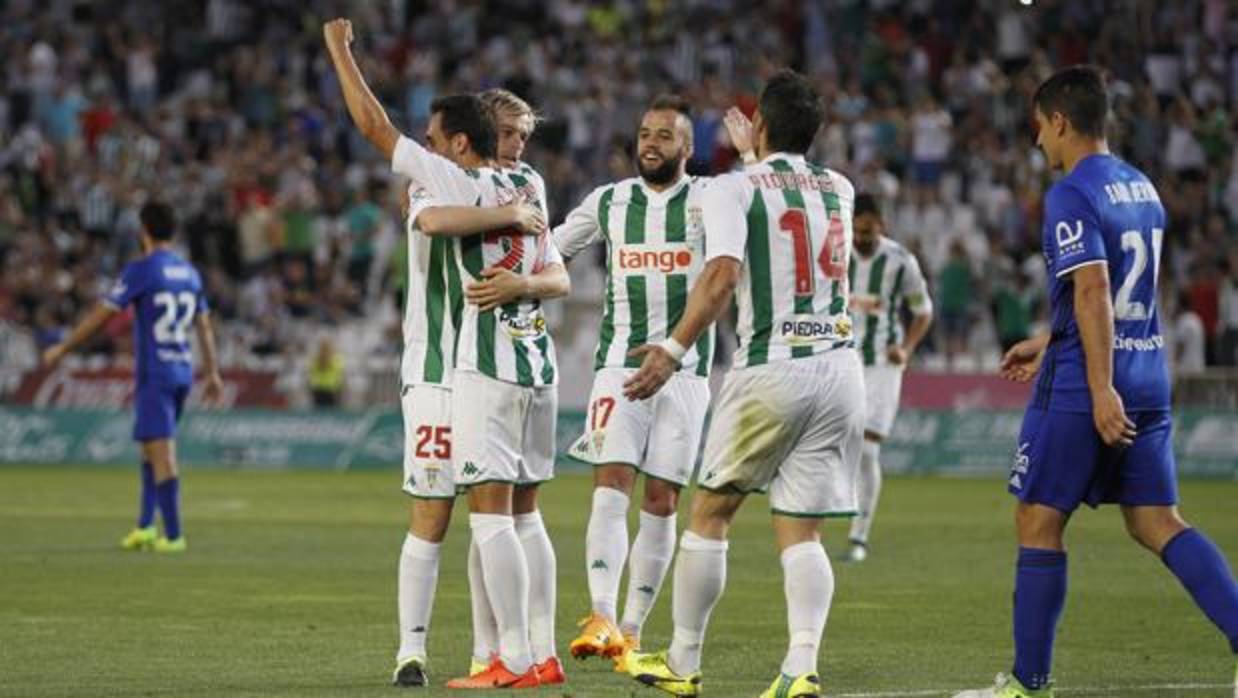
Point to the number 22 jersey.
(1104, 212)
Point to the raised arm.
(581, 228)
(367, 113)
(517, 218)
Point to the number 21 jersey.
(1104, 212)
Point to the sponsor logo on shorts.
(803, 330)
(1019, 469)
(471, 469)
(599, 564)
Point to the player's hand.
(337, 33)
(499, 286)
(53, 354)
(1109, 416)
(896, 355)
(740, 130)
(1022, 361)
(214, 388)
(654, 371)
(527, 218)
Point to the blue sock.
(1202, 569)
(1039, 595)
(169, 492)
(146, 510)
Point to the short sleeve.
(723, 203)
(419, 199)
(1072, 236)
(582, 226)
(549, 251)
(129, 286)
(443, 178)
(915, 290)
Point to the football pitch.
(288, 590)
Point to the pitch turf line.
(1078, 690)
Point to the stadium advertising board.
(112, 387)
(939, 442)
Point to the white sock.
(700, 576)
(868, 489)
(418, 576)
(485, 627)
(543, 568)
(809, 584)
(606, 548)
(506, 576)
(651, 558)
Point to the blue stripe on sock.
(169, 494)
(146, 500)
(1039, 595)
(1200, 566)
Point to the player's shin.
(540, 556)
(808, 581)
(417, 579)
(700, 577)
(1199, 565)
(1039, 595)
(485, 626)
(652, 552)
(606, 548)
(868, 491)
(506, 575)
(147, 501)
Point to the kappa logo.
(599, 564)
(1069, 240)
(646, 589)
(471, 469)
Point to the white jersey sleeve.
(581, 228)
(723, 207)
(915, 290)
(419, 199)
(442, 178)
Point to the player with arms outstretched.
(791, 412)
(651, 226)
(1098, 429)
(166, 292)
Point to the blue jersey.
(1104, 212)
(167, 293)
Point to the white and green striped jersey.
(880, 284)
(654, 254)
(789, 222)
(510, 343)
(433, 303)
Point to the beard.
(664, 173)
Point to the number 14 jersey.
(789, 221)
(1104, 212)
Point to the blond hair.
(501, 101)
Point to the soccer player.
(883, 276)
(791, 413)
(1098, 429)
(166, 292)
(503, 389)
(651, 225)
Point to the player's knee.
(712, 513)
(1039, 526)
(1153, 527)
(616, 477)
(661, 498)
(524, 499)
(429, 519)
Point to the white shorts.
(503, 432)
(427, 442)
(659, 436)
(793, 427)
(882, 387)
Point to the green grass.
(288, 590)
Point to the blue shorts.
(156, 408)
(1062, 462)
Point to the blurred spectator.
(326, 374)
(956, 292)
(1227, 346)
(1187, 351)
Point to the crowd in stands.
(230, 111)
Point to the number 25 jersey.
(1104, 212)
